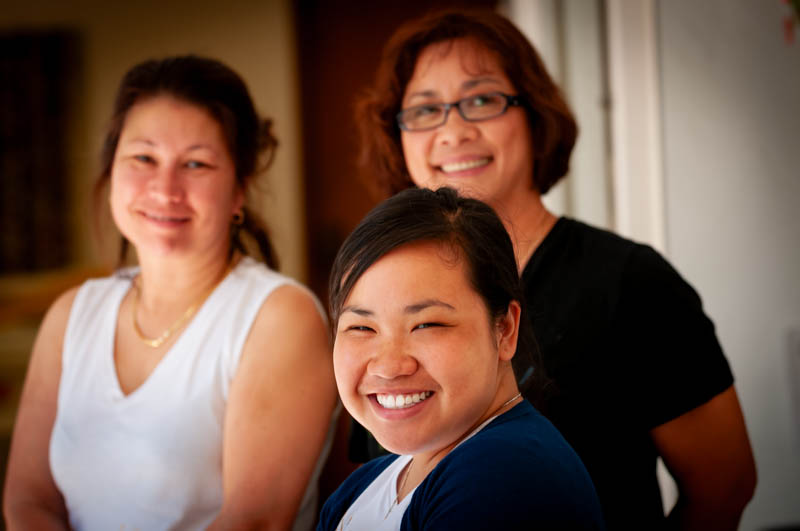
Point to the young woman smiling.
(427, 310)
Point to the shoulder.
(582, 237)
(288, 321)
(524, 466)
(576, 254)
(57, 315)
(281, 292)
(520, 443)
(350, 489)
(50, 339)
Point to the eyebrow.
(358, 311)
(410, 309)
(466, 85)
(427, 303)
(150, 143)
(141, 141)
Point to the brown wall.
(340, 43)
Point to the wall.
(730, 90)
(256, 38)
(568, 37)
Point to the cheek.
(118, 191)
(415, 155)
(517, 140)
(344, 369)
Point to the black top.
(627, 344)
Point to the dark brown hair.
(468, 226)
(213, 86)
(553, 129)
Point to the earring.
(238, 217)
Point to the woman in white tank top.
(195, 390)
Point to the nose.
(166, 185)
(391, 360)
(456, 130)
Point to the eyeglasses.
(472, 109)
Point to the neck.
(171, 283)
(527, 222)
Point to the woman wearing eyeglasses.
(463, 100)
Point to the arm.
(708, 453)
(338, 466)
(32, 500)
(278, 413)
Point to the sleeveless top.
(153, 459)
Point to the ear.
(507, 331)
(238, 198)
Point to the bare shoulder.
(290, 308)
(54, 325)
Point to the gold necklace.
(158, 341)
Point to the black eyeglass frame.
(511, 101)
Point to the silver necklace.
(396, 500)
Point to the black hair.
(473, 229)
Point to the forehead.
(171, 114)
(463, 57)
(425, 265)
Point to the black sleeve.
(671, 356)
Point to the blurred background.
(690, 140)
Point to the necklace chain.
(396, 501)
(166, 334)
(507, 402)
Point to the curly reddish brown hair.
(553, 128)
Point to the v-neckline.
(119, 394)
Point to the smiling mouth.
(164, 219)
(453, 167)
(402, 401)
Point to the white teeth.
(465, 165)
(402, 401)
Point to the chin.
(398, 446)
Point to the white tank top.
(153, 459)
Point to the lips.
(164, 218)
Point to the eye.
(146, 159)
(358, 328)
(482, 100)
(196, 164)
(423, 111)
(422, 326)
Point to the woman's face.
(416, 359)
(173, 184)
(489, 160)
